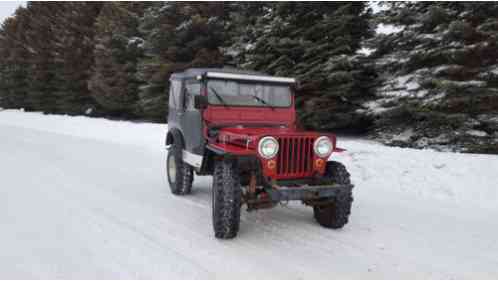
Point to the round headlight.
(268, 147)
(323, 147)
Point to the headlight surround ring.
(323, 146)
(268, 147)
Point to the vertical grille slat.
(295, 157)
(279, 157)
(306, 155)
(300, 156)
(287, 152)
(292, 155)
(303, 156)
(310, 154)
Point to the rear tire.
(226, 199)
(336, 213)
(180, 174)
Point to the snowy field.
(87, 198)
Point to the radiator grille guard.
(295, 157)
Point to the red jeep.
(240, 127)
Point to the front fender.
(338, 149)
(174, 135)
(227, 149)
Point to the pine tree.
(40, 40)
(440, 76)
(316, 43)
(14, 63)
(74, 44)
(177, 36)
(118, 47)
(240, 27)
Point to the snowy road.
(87, 198)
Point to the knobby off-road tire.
(180, 174)
(336, 214)
(226, 199)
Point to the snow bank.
(463, 179)
(124, 132)
(460, 178)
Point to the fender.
(338, 149)
(227, 149)
(173, 135)
(190, 158)
(214, 150)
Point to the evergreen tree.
(14, 63)
(40, 40)
(241, 29)
(118, 48)
(440, 76)
(317, 44)
(437, 75)
(51, 56)
(74, 44)
(177, 36)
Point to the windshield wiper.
(263, 101)
(219, 97)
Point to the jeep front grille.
(295, 157)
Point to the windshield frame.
(260, 105)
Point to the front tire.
(226, 199)
(180, 174)
(335, 214)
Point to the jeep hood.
(249, 136)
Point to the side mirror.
(200, 102)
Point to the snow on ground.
(87, 198)
(123, 132)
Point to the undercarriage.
(270, 196)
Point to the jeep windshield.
(240, 93)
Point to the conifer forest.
(429, 81)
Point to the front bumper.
(306, 192)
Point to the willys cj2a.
(240, 127)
